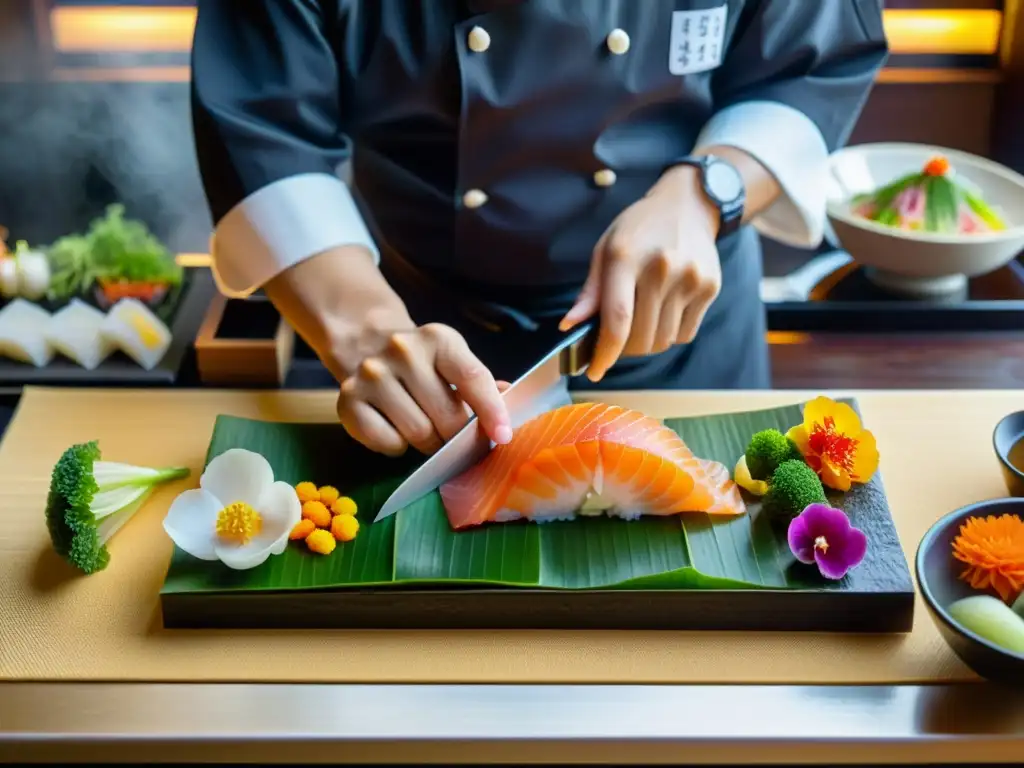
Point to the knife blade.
(543, 387)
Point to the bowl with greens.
(923, 219)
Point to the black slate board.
(417, 608)
(119, 370)
(878, 596)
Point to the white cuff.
(282, 224)
(792, 148)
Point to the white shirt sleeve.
(281, 225)
(787, 143)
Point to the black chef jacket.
(491, 143)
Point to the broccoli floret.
(767, 450)
(793, 486)
(90, 500)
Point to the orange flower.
(993, 549)
(835, 445)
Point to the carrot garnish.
(937, 166)
(993, 550)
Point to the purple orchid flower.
(823, 535)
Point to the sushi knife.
(542, 388)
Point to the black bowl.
(1008, 433)
(938, 577)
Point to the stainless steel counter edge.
(150, 722)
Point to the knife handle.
(576, 357)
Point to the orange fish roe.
(321, 542)
(317, 512)
(329, 494)
(302, 529)
(307, 491)
(344, 527)
(993, 550)
(344, 506)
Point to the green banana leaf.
(418, 547)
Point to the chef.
(516, 163)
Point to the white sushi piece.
(75, 333)
(23, 327)
(133, 328)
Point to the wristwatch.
(723, 186)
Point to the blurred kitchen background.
(94, 106)
(94, 110)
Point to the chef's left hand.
(653, 274)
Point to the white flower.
(238, 515)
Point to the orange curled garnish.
(993, 549)
(937, 166)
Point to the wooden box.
(244, 342)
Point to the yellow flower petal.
(865, 458)
(833, 477)
(741, 474)
(845, 418)
(798, 435)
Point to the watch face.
(723, 181)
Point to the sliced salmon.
(558, 462)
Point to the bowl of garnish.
(923, 219)
(970, 570)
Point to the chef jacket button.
(474, 198)
(605, 177)
(618, 41)
(479, 40)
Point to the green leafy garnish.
(942, 203)
(115, 249)
(72, 267)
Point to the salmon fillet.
(633, 464)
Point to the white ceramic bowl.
(922, 263)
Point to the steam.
(69, 149)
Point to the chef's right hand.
(401, 385)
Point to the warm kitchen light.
(943, 32)
(133, 29)
(193, 260)
(109, 29)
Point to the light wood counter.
(92, 671)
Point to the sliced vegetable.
(33, 272)
(934, 200)
(992, 619)
(8, 277)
